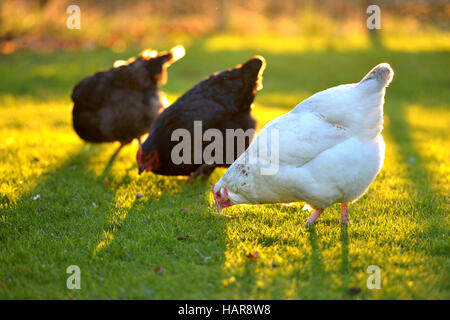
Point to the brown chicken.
(121, 104)
(221, 102)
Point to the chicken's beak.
(149, 165)
(219, 207)
(145, 167)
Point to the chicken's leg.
(344, 213)
(313, 218)
(113, 157)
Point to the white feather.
(330, 148)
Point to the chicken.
(220, 102)
(327, 150)
(121, 104)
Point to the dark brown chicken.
(220, 102)
(121, 104)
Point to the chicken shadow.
(320, 278)
(82, 221)
(168, 232)
(345, 269)
(59, 216)
(312, 278)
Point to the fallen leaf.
(106, 181)
(252, 256)
(159, 271)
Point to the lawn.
(171, 243)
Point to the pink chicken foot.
(318, 212)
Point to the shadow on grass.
(171, 228)
(320, 280)
(167, 245)
(427, 204)
(47, 235)
(345, 270)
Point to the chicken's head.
(157, 63)
(221, 197)
(147, 161)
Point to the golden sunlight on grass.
(284, 44)
(30, 149)
(430, 131)
(106, 239)
(351, 42)
(124, 199)
(421, 43)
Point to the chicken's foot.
(313, 218)
(344, 213)
(204, 170)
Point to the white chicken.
(329, 150)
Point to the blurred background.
(40, 24)
(42, 58)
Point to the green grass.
(401, 224)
